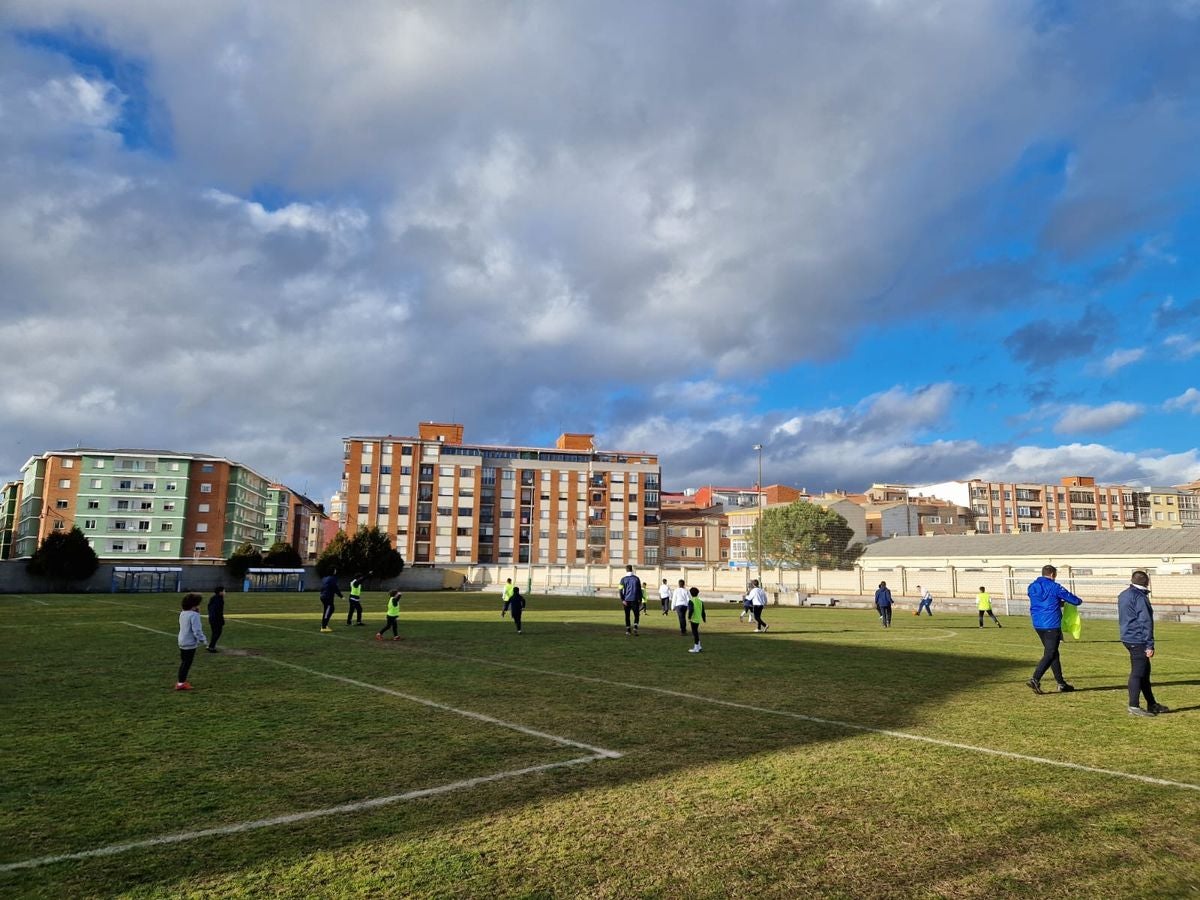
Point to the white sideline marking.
(600, 752)
(596, 754)
(850, 726)
(290, 818)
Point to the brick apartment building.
(695, 537)
(1075, 504)
(141, 504)
(290, 518)
(445, 501)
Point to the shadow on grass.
(1123, 685)
(622, 710)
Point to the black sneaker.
(1035, 686)
(1064, 688)
(628, 632)
(1138, 711)
(1158, 708)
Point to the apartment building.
(1077, 503)
(141, 504)
(728, 497)
(289, 518)
(10, 506)
(446, 501)
(695, 537)
(904, 518)
(1172, 508)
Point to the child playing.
(191, 636)
(393, 614)
(514, 604)
(984, 600)
(697, 615)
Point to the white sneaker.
(699, 649)
(695, 649)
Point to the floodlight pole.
(758, 499)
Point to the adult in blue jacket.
(1135, 616)
(631, 599)
(1046, 599)
(883, 603)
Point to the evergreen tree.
(804, 535)
(64, 556)
(243, 558)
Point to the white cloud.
(1182, 346)
(1188, 401)
(1108, 417)
(1118, 359)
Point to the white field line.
(836, 723)
(595, 754)
(290, 818)
(600, 752)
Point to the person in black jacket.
(216, 616)
(514, 604)
(883, 603)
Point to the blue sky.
(891, 240)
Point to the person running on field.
(329, 590)
(216, 617)
(356, 591)
(883, 604)
(664, 597)
(393, 617)
(1046, 599)
(679, 603)
(1135, 617)
(191, 636)
(631, 599)
(516, 605)
(984, 601)
(926, 602)
(508, 591)
(696, 615)
(758, 600)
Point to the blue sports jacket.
(1136, 616)
(1045, 602)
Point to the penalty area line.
(292, 818)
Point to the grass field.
(826, 757)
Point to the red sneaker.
(397, 638)
(183, 686)
(378, 637)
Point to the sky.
(889, 240)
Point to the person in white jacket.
(679, 603)
(664, 596)
(191, 636)
(758, 599)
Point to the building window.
(206, 467)
(97, 483)
(201, 527)
(61, 504)
(199, 548)
(172, 486)
(64, 482)
(203, 507)
(59, 524)
(206, 488)
(68, 463)
(166, 526)
(164, 546)
(118, 546)
(89, 523)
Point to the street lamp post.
(758, 498)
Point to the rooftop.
(1132, 542)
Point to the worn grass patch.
(740, 776)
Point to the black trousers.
(1051, 638)
(326, 612)
(987, 612)
(1139, 675)
(696, 632)
(217, 624)
(635, 607)
(757, 610)
(185, 663)
(885, 613)
(391, 623)
(666, 604)
(355, 607)
(681, 611)
(516, 617)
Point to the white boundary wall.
(793, 586)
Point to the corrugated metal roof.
(1132, 542)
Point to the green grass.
(754, 799)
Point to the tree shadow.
(1123, 686)
(589, 683)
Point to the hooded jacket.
(1045, 598)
